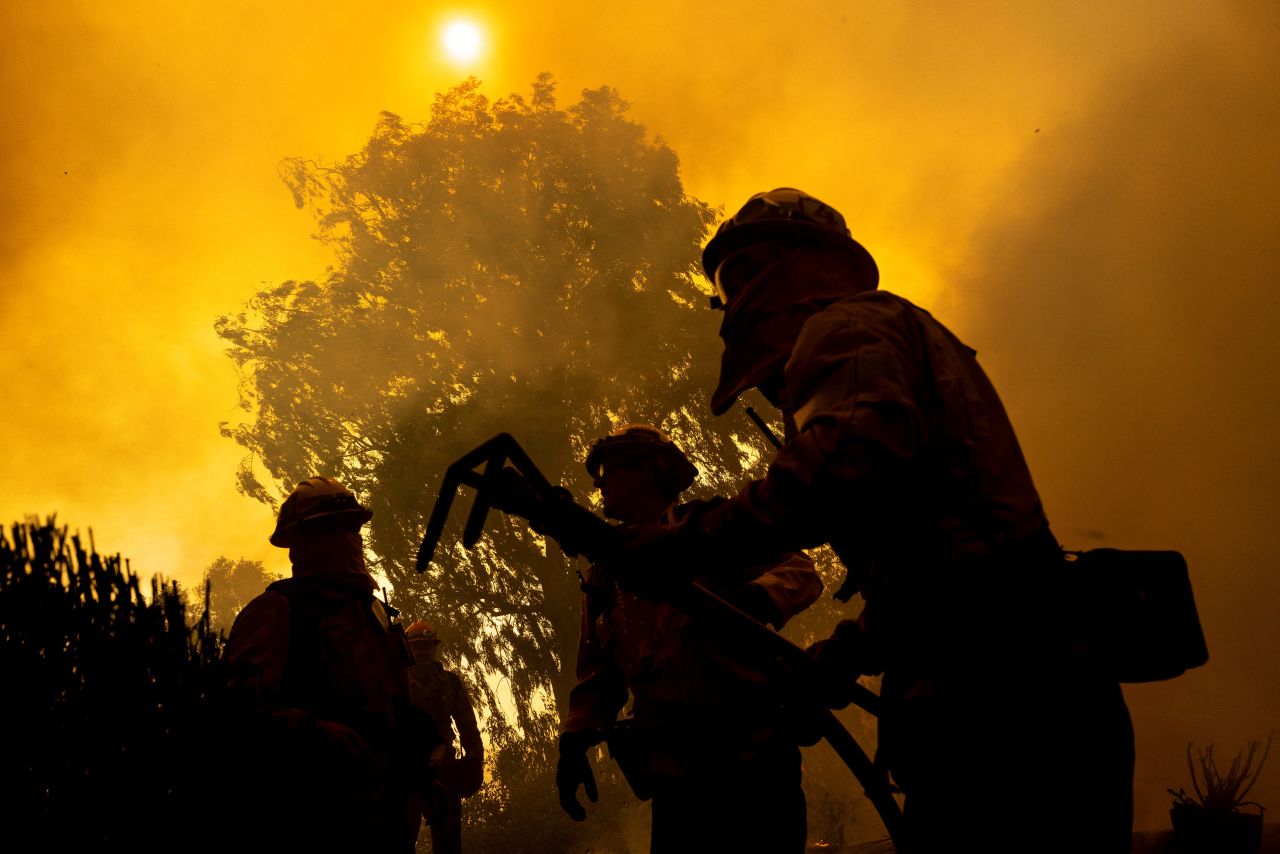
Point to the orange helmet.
(422, 631)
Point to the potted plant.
(1212, 822)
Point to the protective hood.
(760, 328)
(756, 350)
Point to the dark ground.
(1145, 842)
(1161, 841)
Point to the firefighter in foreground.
(899, 454)
(334, 747)
(705, 736)
(442, 695)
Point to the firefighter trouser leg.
(756, 807)
(446, 830)
(1016, 765)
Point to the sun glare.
(463, 40)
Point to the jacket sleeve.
(258, 650)
(464, 717)
(789, 586)
(771, 592)
(601, 689)
(855, 377)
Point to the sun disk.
(463, 40)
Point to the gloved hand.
(441, 755)
(837, 663)
(574, 527)
(573, 769)
(554, 515)
(514, 494)
(470, 775)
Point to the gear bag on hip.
(1138, 612)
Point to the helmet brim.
(680, 473)
(283, 537)
(731, 240)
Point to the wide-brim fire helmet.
(316, 498)
(783, 214)
(672, 471)
(760, 324)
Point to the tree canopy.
(231, 585)
(506, 266)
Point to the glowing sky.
(1087, 192)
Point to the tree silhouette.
(505, 266)
(231, 584)
(114, 720)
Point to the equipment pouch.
(628, 746)
(1140, 619)
(461, 777)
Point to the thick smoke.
(1120, 286)
(1123, 296)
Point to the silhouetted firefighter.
(706, 737)
(442, 695)
(338, 751)
(899, 454)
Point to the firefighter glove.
(573, 770)
(837, 664)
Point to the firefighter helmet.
(672, 470)
(784, 214)
(422, 631)
(315, 498)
